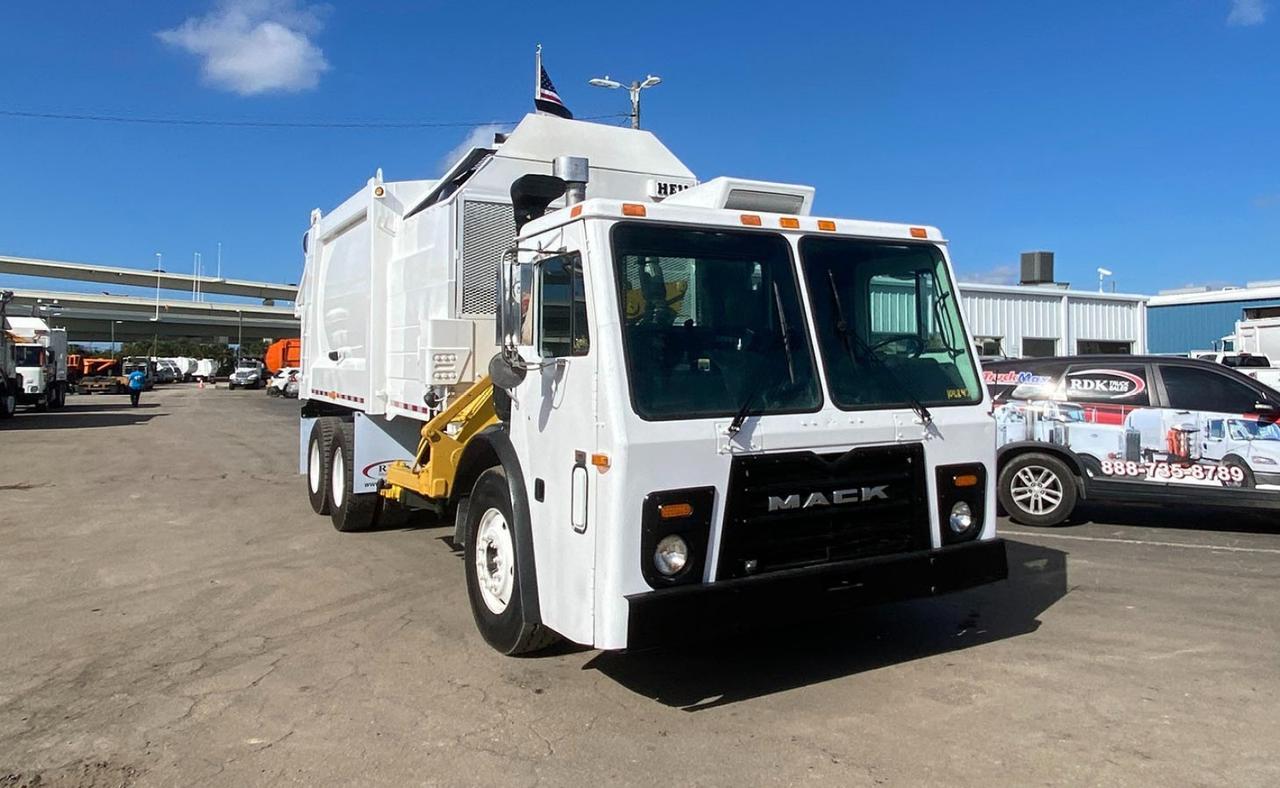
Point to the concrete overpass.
(91, 318)
(137, 277)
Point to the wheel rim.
(495, 561)
(339, 471)
(1036, 490)
(313, 466)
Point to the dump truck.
(40, 359)
(644, 404)
(282, 354)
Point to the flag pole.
(537, 77)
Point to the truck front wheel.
(8, 402)
(494, 579)
(347, 510)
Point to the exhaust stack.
(575, 172)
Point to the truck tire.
(8, 402)
(45, 401)
(348, 511)
(1247, 481)
(319, 447)
(59, 396)
(1037, 489)
(494, 579)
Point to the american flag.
(547, 100)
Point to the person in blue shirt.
(137, 379)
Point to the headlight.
(961, 519)
(671, 556)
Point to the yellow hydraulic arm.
(441, 448)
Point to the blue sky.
(1140, 136)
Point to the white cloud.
(479, 137)
(255, 46)
(1245, 13)
(999, 275)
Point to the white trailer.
(1259, 337)
(40, 360)
(692, 406)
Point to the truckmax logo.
(1105, 384)
(838, 497)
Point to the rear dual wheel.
(319, 447)
(348, 510)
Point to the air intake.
(1037, 268)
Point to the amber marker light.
(672, 511)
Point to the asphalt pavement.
(173, 613)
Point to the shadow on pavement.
(69, 419)
(754, 661)
(1179, 517)
(102, 406)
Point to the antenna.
(1103, 273)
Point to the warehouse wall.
(1065, 316)
(1179, 328)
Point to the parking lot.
(173, 613)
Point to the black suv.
(1131, 429)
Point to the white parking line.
(1271, 550)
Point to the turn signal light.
(965, 480)
(751, 220)
(919, 232)
(633, 209)
(601, 461)
(789, 223)
(670, 511)
(826, 225)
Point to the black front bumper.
(673, 614)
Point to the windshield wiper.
(846, 335)
(765, 384)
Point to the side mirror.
(1265, 407)
(515, 296)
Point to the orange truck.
(284, 353)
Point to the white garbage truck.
(40, 360)
(645, 405)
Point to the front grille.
(818, 513)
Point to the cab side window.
(1201, 389)
(562, 312)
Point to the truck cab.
(40, 362)
(729, 404)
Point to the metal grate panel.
(488, 230)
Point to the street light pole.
(239, 335)
(634, 89)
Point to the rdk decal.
(838, 497)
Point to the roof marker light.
(826, 225)
(750, 220)
(789, 222)
(575, 211)
(633, 209)
(919, 232)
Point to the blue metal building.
(1179, 322)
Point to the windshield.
(888, 323)
(1246, 361)
(712, 323)
(1242, 430)
(27, 356)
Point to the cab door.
(553, 426)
